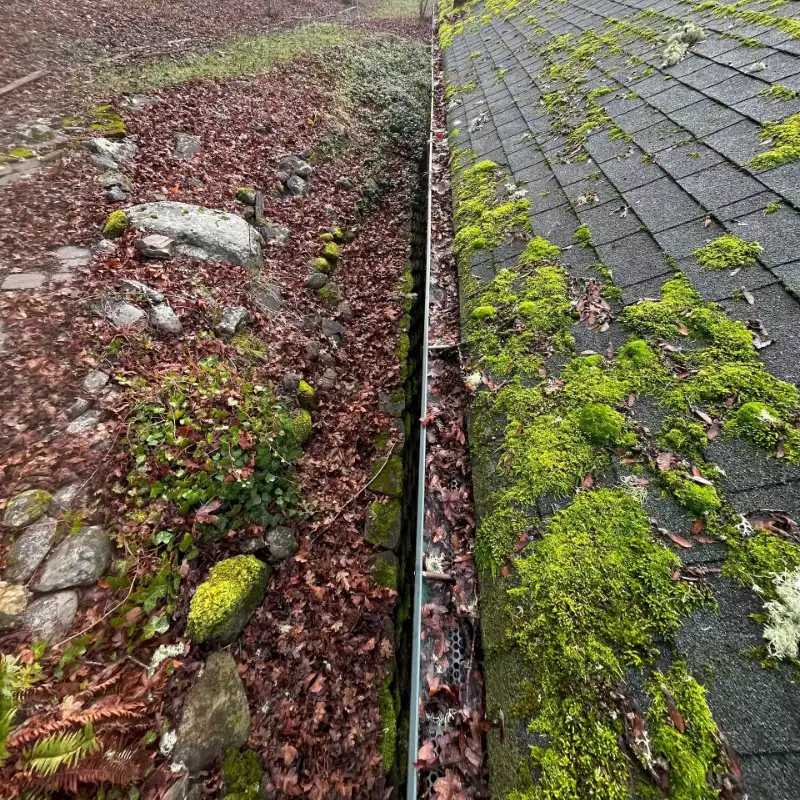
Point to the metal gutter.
(419, 547)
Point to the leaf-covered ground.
(317, 651)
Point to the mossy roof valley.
(626, 200)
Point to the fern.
(60, 750)
(15, 680)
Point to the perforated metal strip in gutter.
(419, 547)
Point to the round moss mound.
(306, 396)
(601, 424)
(331, 252)
(302, 425)
(484, 312)
(241, 775)
(320, 265)
(698, 498)
(758, 423)
(116, 224)
(638, 354)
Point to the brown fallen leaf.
(679, 540)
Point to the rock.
(304, 171)
(246, 195)
(224, 602)
(344, 311)
(117, 195)
(307, 153)
(136, 102)
(110, 179)
(203, 233)
(289, 164)
(185, 145)
(64, 497)
(13, 604)
(215, 715)
(232, 320)
(79, 560)
(290, 381)
(109, 155)
(25, 508)
(79, 406)
(117, 223)
(332, 329)
(283, 176)
(29, 550)
(130, 285)
(183, 789)
(326, 359)
(104, 247)
(156, 246)
(95, 381)
(296, 186)
(383, 524)
(312, 351)
(384, 565)
(85, 422)
(306, 396)
(164, 319)
(120, 313)
(316, 280)
(50, 617)
(23, 280)
(388, 478)
(282, 543)
(393, 404)
(70, 258)
(328, 380)
(272, 232)
(267, 296)
(265, 126)
(39, 132)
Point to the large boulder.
(222, 604)
(50, 617)
(199, 232)
(215, 715)
(29, 550)
(26, 507)
(78, 561)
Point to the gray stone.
(185, 146)
(85, 422)
(312, 351)
(163, 318)
(383, 524)
(291, 381)
(71, 257)
(316, 280)
(203, 233)
(331, 328)
(120, 313)
(130, 285)
(79, 406)
(215, 715)
(13, 603)
(109, 155)
(79, 560)
(29, 550)
(344, 311)
(304, 170)
(104, 246)
(64, 497)
(281, 542)
(110, 179)
(50, 617)
(233, 319)
(95, 381)
(183, 789)
(117, 195)
(136, 102)
(290, 164)
(25, 508)
(328, 380)
(23, 280)
(272, 232)
(267, 296)
(296, 186)
(344, 183)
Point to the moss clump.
(20, 153)
(484, 312)
(683, 436)
(383, 523)
(539, 251)
(246, 195)
(385, 571)
(482, 220)
(638, 354)
(223, 603)
(658, 319)
(326, 237)
(306, 396)
(241, 775)
(116, 224)
(757, 423)
(595, 595)
(331, 294)
(108, 123)
(601, 424)
(785, 140)
(693, 756)
(388, 477)
(302, 425)
(695, 497)
(331, 252)
(756, 559)
(320, 265)
(728, 252)
(583, 236)
(388, 726)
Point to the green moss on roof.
(728, 252)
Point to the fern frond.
(60, 750)
(95, 770)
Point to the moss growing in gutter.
(388, 725)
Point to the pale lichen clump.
(782, 631)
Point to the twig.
(29, 78)
(105, 616)
(438, 576)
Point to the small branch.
(33, 76)
(438, 576)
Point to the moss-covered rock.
(331, 252)
(25, 508)
(306, 396)
(320, 265)
(246, 195)
(388, 479)
(383, 524)
(388, 725)
(384, 569)
(222, 604)
(116, 224)
(302, 425)
(242, 775)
